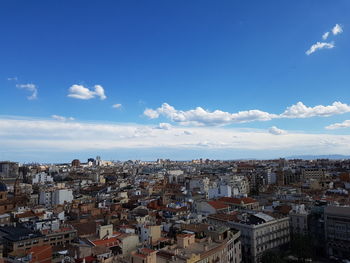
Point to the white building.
(299, 219)
(55, 197)
(61, 196)
(239, 185)
(42, 178)
(220, 191)
(202, 184)
(173, 175)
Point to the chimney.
(209, 240)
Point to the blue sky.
(229, 56)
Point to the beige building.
(128, 243)
(149, 234)
(221, 246)
(144, 255)
(105, 231)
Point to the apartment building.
(222, 246)
(52, 197)
(23, 239)
(240, 203)
(299, 220)
(260, 232)
(314, 173)
(9, 169)
(337, 231)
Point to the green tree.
(301, 246)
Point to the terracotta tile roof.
(232, 200)
(283, 209)
(144, 252)
(88, 259)
(39, 248)
(110, 242)
(26, 214)
(147, 251)
(225, 217)
(218, 204)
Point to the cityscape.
(174, 131)
(176, 211)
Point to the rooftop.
(337, 210)
(218, 204)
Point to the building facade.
(259, 232)
(337, 231)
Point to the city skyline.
(182, 80)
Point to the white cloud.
(82, 93)
(62, 118)
(340, 125)
(325, 35)
(100, 92)
(276, 131)
(201, 117)
(12, 79)
(337, 29)
(28, 135)
(116, 106)
(319, 46)
(299, 110)
(152, 114)
(30, 87)
(165, 126)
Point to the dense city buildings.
(166, 211)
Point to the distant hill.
(314, 157)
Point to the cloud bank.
(276, 131)
(61, 118)
(202, 117)
(32, 135)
